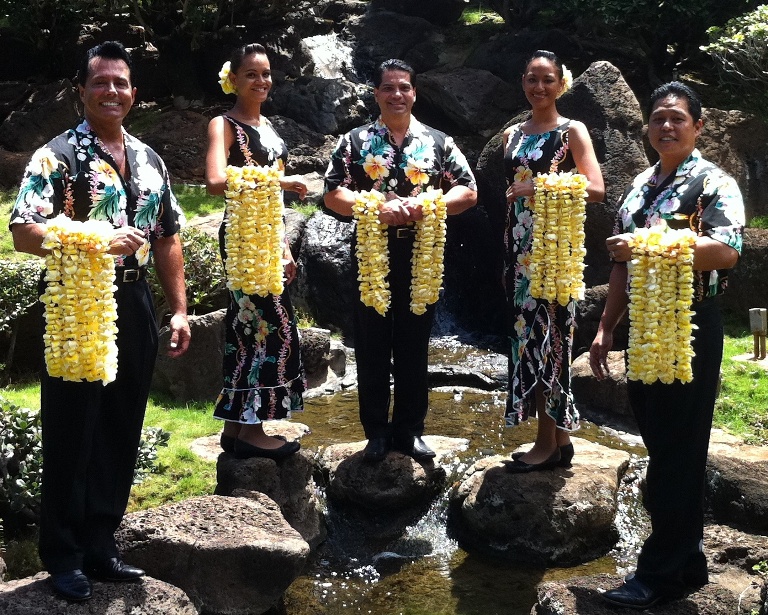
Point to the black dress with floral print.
(263, 373)
(540, 332)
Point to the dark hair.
(111, 50)
(678, 90)
(547, 55)
(393, 64)
(239, 54)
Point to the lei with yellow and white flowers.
(557, 250)
(224, 81)
(373, 254)
(80, 308)
(254, 235)
(428, 251)
(660, 297)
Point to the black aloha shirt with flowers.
(75, 174)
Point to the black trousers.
(675, 422)
(91, 435)
(396, 343)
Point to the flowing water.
(425, 572)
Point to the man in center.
(381, 156)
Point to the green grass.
(758, 222)
(307, 209)
(195, 200)
(7, 199)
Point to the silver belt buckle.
(403, 232)
(131, 275)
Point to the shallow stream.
(426, 572)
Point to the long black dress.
(263, 373)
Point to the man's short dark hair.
(393, 64)
(678, 90)
(110, 50)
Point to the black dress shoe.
(416, 448)
(243, 450)
(115, 569)
(518, 466)
(634, 594)
(376, 449)
(72, 585)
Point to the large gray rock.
(581, 595)
(232, 556)
(737, 485)
(441, 12)
(475, 100)
(49, 111)
(288, 483)
(605, 398)
(308, 150)
(328, 106)
(738, 143)
(588, 312)
(195, 375)
(562, 518)
(746, 282)
(382, 499)
(33, 596)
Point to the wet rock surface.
(201, 542)
(148, 596)
(558, 517)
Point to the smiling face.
(541, 82)
(253, 78)
(672, 130)
(395, 95)
(107, 94)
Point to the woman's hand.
(294, 183)
(518, 189)
(618, 247)
(289, 269)
(598, 354)
(126, 241)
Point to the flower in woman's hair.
(224, 79)
(567, 81)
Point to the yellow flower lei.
(254, 236)
(80, 308)
(428, 251)
(372, 252)
(224, 81)
(660, 297)
(557, 250)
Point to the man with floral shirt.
(91, 431)
(401, 158)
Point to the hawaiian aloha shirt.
(368, 159)
(76, 175)
(706, 198)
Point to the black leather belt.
(403, 232)
(130, 275)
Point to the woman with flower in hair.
(263, 374)
(541, 331)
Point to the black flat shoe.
(72, 585)
(243, 450)
(518, 466)
(227, 443)
(566, 455)
(416, 448)
(376, 449)
(634, 594)
(115, 569)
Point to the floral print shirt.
(701, 195)
(368, 159)
(76, 175)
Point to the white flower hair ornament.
(224, 81)
(567, 80)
